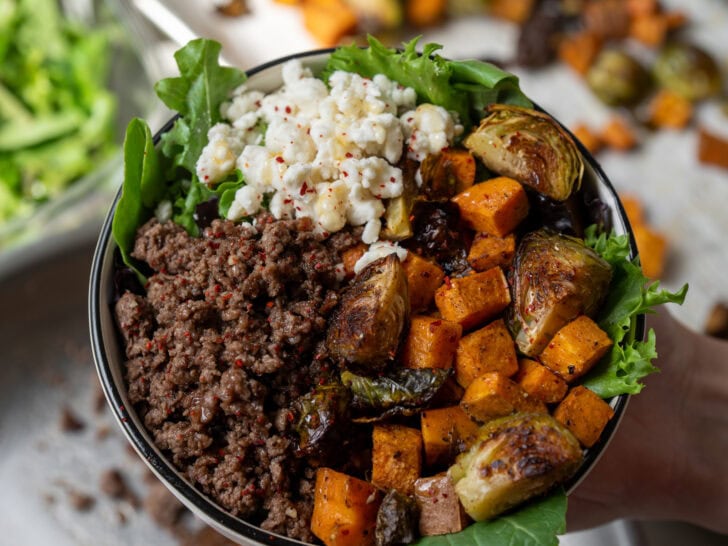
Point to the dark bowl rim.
(164, 468)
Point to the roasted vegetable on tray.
(474, 346)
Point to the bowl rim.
(234, 527)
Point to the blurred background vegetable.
(56, 113)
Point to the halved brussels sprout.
(367, 326)
(397, 225)
(321, 415)
(515, 458)
(688, 70)
(554, 279)
(618, 79)
(530, 147)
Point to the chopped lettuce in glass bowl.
(71, 77)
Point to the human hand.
(669, 457)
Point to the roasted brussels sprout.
(618, 79)
(446, 173)
(530, 147)
(688, 70)
(366, 327)
(397, 225)
(554, 279)
(438, 234)
(396, 520)
(515, 458)
(321, 415)
(398, 392)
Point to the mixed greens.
(167, 174)
(56, 113)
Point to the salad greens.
(464, 87)
(536, 524)
(630, 294)
(56, 115)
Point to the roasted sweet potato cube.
(445, 433)
(652, 247)
(423, 278)
(516, 11)
(496, 206)
(494, 395)
(618, 134)
(584, 414)
(396, 457)
(712, 149)
(588, 138)
(633, 208)
(344, 509)
(329, 21)
(488, 251)
(474, 299)
(576, 348)
(489, 349)
(579, 50)
(350, 256)
(670, 110)
(431, 343)
(440, 509)
(649, 29)
(540, 382)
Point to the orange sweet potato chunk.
(396, 457)
(588, 138)
(575, 348)
(618, 135)
(652, 247)
(489, 349)
(423, 278)
(496, 206)
(579, 50)
(445, 433)
(344, 510)
(540, 382)
(670, 110)
(488, 251)
(473, 299)
(431, 343)
(329, 20)
(584, 414)
(350, 256)
(494, 395)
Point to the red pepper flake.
(345, 174)
(290, 417)
(434, 325)
(217, 288)
(148, 346)
(447, 282)
(392, 179)
(348, 155)
(269, 304)
(288, 109)
(279, 159)
(304, 189)
(412, 217)
(322, 381)
(227, 295)
(260, 419)
(346, 531)
(238, 363)
(187, 334)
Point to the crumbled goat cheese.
(327, 154)
(377, 250)
(428, 129)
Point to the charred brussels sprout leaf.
(321, 414)
(554, 279)
(688, 70)
(617, 79)
(530, 147)
(397, 215)
(395, 393)
(367, 325)
(397, 520)
(515, 458)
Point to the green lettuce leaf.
(630, 294)
(141, 190)
(464, 87)
(536, 524)
(203, 85)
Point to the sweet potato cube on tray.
(489, 349)
(576, 348)
(473, 299)
(494, 395)
(584, 414)
(440, 509)
(540, 382)
(431, 343)
(423, 278)
(396, 457)
(329, 21)
(445, 433)
(652, 247)
(488, 251)
(496, 206)
(344, 510)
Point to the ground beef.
(226, 337)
